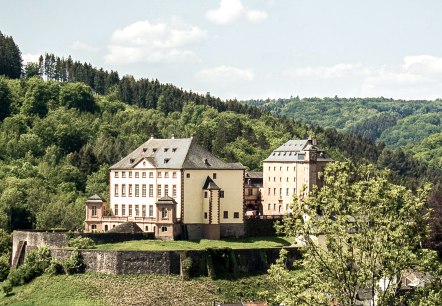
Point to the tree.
(10, 57)
(356, 232)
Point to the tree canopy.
(359, 234)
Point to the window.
(174, 191)
(269, 206)
(137, 210)
(130, 174)
(159, 190)
(280, 208)
(236, 215)
(280, 191)
(287, 192)
(269, 191)
(173, 174)
(94, 211)
(164, 229)
(130, 190)
(250, 191)
(154, 150)
(116, 190)
(123, 190)
(137, 174)
(225, 214)
(143, 174)
(164, 213)
(287, 179)
(280, 179)
(287, 168)
(173, 150)
(286, 206)
(280, 168)
(150, 210)
(137, 190)
(214, 176)
(274, 191)
(143, 190)
(269, 168)
(166, 160)
(147, 228)
(166, 149)
(188, 175)
(159, 174)
(166, 174)
(123, 210)
(294, 190)
(150, 191)
(274, 168)
(166, 190)
(151, 174)
(116, 173)
(94, 227)
(205, 215)
(143, 211)
(123, 174)
(116, 210)
(221, 193)
(274, 179)
(130, 210)
(274, 206)
(270, 179)
(205, 194)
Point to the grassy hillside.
(102, 289)
(397, 123)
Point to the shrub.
(186, 264)
(4, 267)
(5, 242)
(35, 264)
(74, 264)
(82, 243)
(55, 268)
(7, 288)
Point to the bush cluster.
(81, 243)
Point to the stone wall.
(232, 230)
(38, 238)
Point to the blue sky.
(246, 49)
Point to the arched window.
(164, 213)
(106, 228)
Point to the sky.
(245, 49)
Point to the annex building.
(175, 189)
(291, 169)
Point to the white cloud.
(30, 57)
(256, 16)
(144, 41)
(233, 10)
(82, 46)
(223, 75)
(418, 77)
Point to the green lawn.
(184, 245)
(102, 289)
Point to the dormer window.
(166, 149)
(173, 150)
(154, 150)
(166, 160)
(206, 162)
(144, 149)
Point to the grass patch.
(187, 245)
(102, 289)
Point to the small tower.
(95, 211)
(211, 204)
(166, 227)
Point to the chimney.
(314, 141)
(173, 136)
(151, 137)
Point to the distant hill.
(414, 126)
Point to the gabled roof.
(174, 153)
(210, 184)
(166, 200)
(295, 150)
(126, 227)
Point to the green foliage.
(82, 243)
(7, 288)
(77, 95)
(55, 268)
(10, 57)
(36, 262)
(74, 264)
(5, 242)
(186, 265)
(4, 267)
(356, 231)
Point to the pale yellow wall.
(231, 181)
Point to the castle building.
(252, 193)
(291, 169)
(176, 189)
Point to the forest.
(63, 123)
(414, 126)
